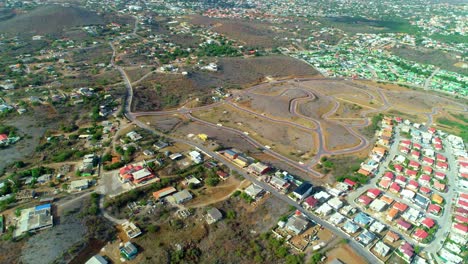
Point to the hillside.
(49, 20)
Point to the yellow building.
(203, 137)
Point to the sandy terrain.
(345, 254)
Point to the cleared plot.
(209, 195)
(317, 107)
(164, 124)
(221, 136)
(348, 110)
(243, 72)
(284, 139)
(277, 107)
(337, 137)
(345, 254)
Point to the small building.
(428, 222)
(302, 191)
(381, 249)
(350, 228)
(407, 251)
(297, 224)
(231, 153)
(335, 203)
(164, 192)
(392, 214)
(213, 215)
(97, 259)
(241, 161)
(35, 218)
(392, 236)
(258, 168)
(363, 219)
(131, 229)
(378, 205)
(310, 202)
(403, 225)
(79, 185)
(254, 191)
(365, 238)
(420, 234)
(434, 209)
(365, 200)
(182, 196)
(128, 250)
(196, 157)
(373, 193)
(134, 136)
(436, 198)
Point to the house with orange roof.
(437, 198)
(392, 214)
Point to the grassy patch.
(453, 124)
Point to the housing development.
(180, 131)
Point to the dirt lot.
(287, 140)
(207, 196)
(345, 254)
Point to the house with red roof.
(401, 180)
(398, 119)
(427, 161)
(388, 175)
(310, 202)
(434, 209)
(3, 138)
(427, 170)
(364, 172)
(417, 146)
(398, 168)
(431, 130)
(400, 206)
(461, 211)
(441, 157)
(428, 222)
(407, 251)
(404, 150)
(420, 234)
(462, 204)
(350, 183)
(413, 185)
(411, 173)
(425, 190)
(439, 186)
(464, 175)
(440, 175)
(415, 154)
(365, 200)
(405, 143)
(438, 146)
(425, 179)
(460, 229)
(373, 193)
(461, 219)
(442, 165)
(223, 175)
(464, 197)
(403, 225)
(384, 183)
(395, 188)
(414, 164)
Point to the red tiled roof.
(395, 187)
(398, 167)
(461, 227)
(3, 137)
(428, 222)
(400, 206)
(427, 169)
(389, 175)
(311, 201)
(349, 182)
(425, 177)
(364, 199)
(373, 193)
(424, 190)
(434, 208)
(461, 219)
(411, 172)
(428, 160)
(403, 224)
(420, 234)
